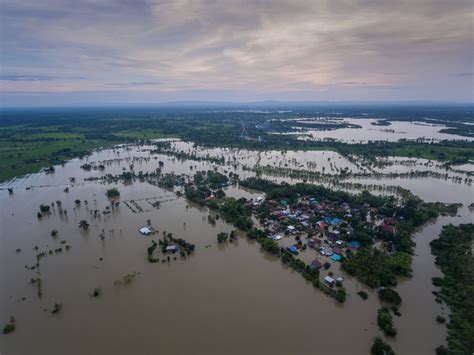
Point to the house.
(314, 242)
(336, 250)
(316, 264)
(329, 280)
(354, 244)
(292, 249)
(321, 225)
(336, 257)
(145, 230)
(171, 249)
(389, 228)
(277, 237)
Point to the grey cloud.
(132, 84)
(263, 46)
(14, 77)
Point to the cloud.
(465, 74)
(265, 48)
(15, 77)
(132, 84)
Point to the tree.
(379, 347)
(113, 192)
(389, 295)
(44, 208)
(385, 322)
(83, 224)
(341, 295)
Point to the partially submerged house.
(145, 230)
(329, 280)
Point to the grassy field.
(434, 152)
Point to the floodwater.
(230, 299)
(368, 132)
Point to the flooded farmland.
(363, 130)
(222, 297)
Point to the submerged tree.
(113, 192)
(83, 224)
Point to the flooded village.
(236, 177)
(149, 246)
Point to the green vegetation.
(364, 295)
(379, 347)
(385, 322)
(58, 307)
(35, 139)
(341, 295)
(9, 327)
(390, 296)
(373, 266)
(453, 252)
(222, 237)
(113, 192)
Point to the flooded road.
(230, 298)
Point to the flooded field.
(369, 131)
(230, 299)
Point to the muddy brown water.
(225, 299)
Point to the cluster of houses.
(323, 223)
(323, 226)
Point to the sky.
(62, 52)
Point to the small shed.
(145, 230)
(329, 280)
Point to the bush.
(364, 295)
(341, 295)
(113, 192)
(379, 347)
(57, 308)
(389, 295)
(385, 322)
(8, 328)
(44, 208)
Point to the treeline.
(454, 255)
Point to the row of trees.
(454, 255)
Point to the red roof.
(388, 228)
(390, 220)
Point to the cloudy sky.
(119, 51)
